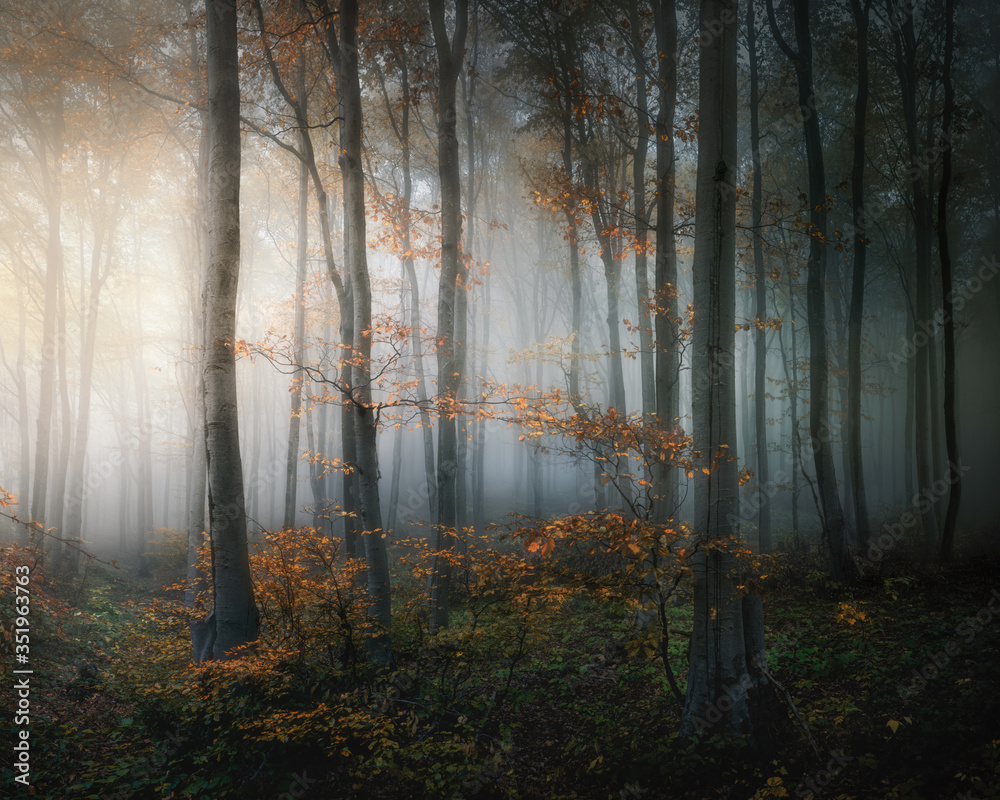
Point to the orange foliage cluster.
(47, 608)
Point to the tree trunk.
(144, 452)
(411, 275)
(760, 329)
(60, 457)
(341, 284)
(52, 185)
(573, 235)
(302, 251)
(362, 405)
(909, 420)
(449, 55)
(646, 365)
(718, 679)
(794, 411)
(235, 614)
(950, 428)
(202, 631)
(105, 219)
(479, 430)
(401, 127)
(856, 321)
(906, 67)
(841, 567)
(667, 359)
(24, 483)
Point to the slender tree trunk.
(235, 614)
(792, 382)
(449, 53)
(104, 221)
(426, 428)
(144, 453)
(52, 185)
(479, 435)
(124, 523)
(397, 438)
(202, 630)
(60, 456)
(856, 321)
(646, 360)
(612, 280)
(760, 329)
(362, 405)
(341, 284)
(538, 301)
(397, 466)
(796, 444)
(909, 422)
(467, 80)
(416, 342)
(573, 239)
(302, 252)
(951, 433)
(24, 483)
(841, 567)
(321, 481)
(906, 67)
(667, 359)
(168, 488)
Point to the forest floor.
(896, 681)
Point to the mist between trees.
(714, 278)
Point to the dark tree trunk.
(302, 251)
(944, 249)
(362, 404)
(856, 320)
(646, 360)
(717, 698)
(906, 67)
(760, 329)
(667, 359)
(235, 614)
(449, 59)
(841, 567)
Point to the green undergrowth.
(541, 688)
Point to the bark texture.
(235, 613)
(820, 437)
(449, 57)
(718, 680)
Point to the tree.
(760, 289)
(301, 254)
(947, 291)
(306, 154)
(235, 614)
(344, 53)
(105, 213)
(399, 121)
(667, 361)
(819, 364)
(924, 364)
(719, 680)
(49, 151)
(854, 376)
(450, 54)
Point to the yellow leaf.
(894, 724)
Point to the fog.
(103, 247)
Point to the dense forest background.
(571, 398)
